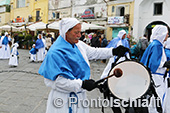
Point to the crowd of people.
(68, 58)
(8, 48)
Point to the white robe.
(33, 57)
(44, 42)
(13, 61)
(112, 60)
(62, 87)
(40, 54)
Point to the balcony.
(118, 20)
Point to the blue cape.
(5, 40)
(65, 60)
(17, 52)
(153, 55)
(39, 44)
(167, 52)
(113, 43)
(33, 51)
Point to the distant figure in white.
(33, 53)
(40, 46)
(44, 42)
(13, 61)
(5, 50)
(1, 45)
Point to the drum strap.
(107, 95)
(158, 108)
(168, 80)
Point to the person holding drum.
(66, 68)
(155, 59)
(119, 40)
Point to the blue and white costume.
(5, 52)
(113, 44)
(33, 53)
(154, 57)
(66, 66)
(167, 96)
(13, 61)
(40, 46)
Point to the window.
(37, 16)
(8, 8)
(158, 8)
(57, 15)
(20, 3)
(113, 9)
(92, 9)
(122, 11)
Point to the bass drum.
(134, 82)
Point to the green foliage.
(28, 37)
(21, 36)
(31, 43)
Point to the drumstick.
(117, 73)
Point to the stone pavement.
(23, 91)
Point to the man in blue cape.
(66, 67)
(155, 59)
(167, 97)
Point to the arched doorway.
(150, 26)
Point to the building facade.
(4, 12)
(59, 9)
(120, 16)
(148, 13)
(25, 11)
(91, 11)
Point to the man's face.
(167, 35)
(124, 36)
(73, 35)
(128, 36)
(94, 35)
(39, 36)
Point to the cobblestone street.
(23, 91)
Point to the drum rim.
(140, 64)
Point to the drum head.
(133, 83)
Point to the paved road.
(22, 91)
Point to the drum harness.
(151, 91)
